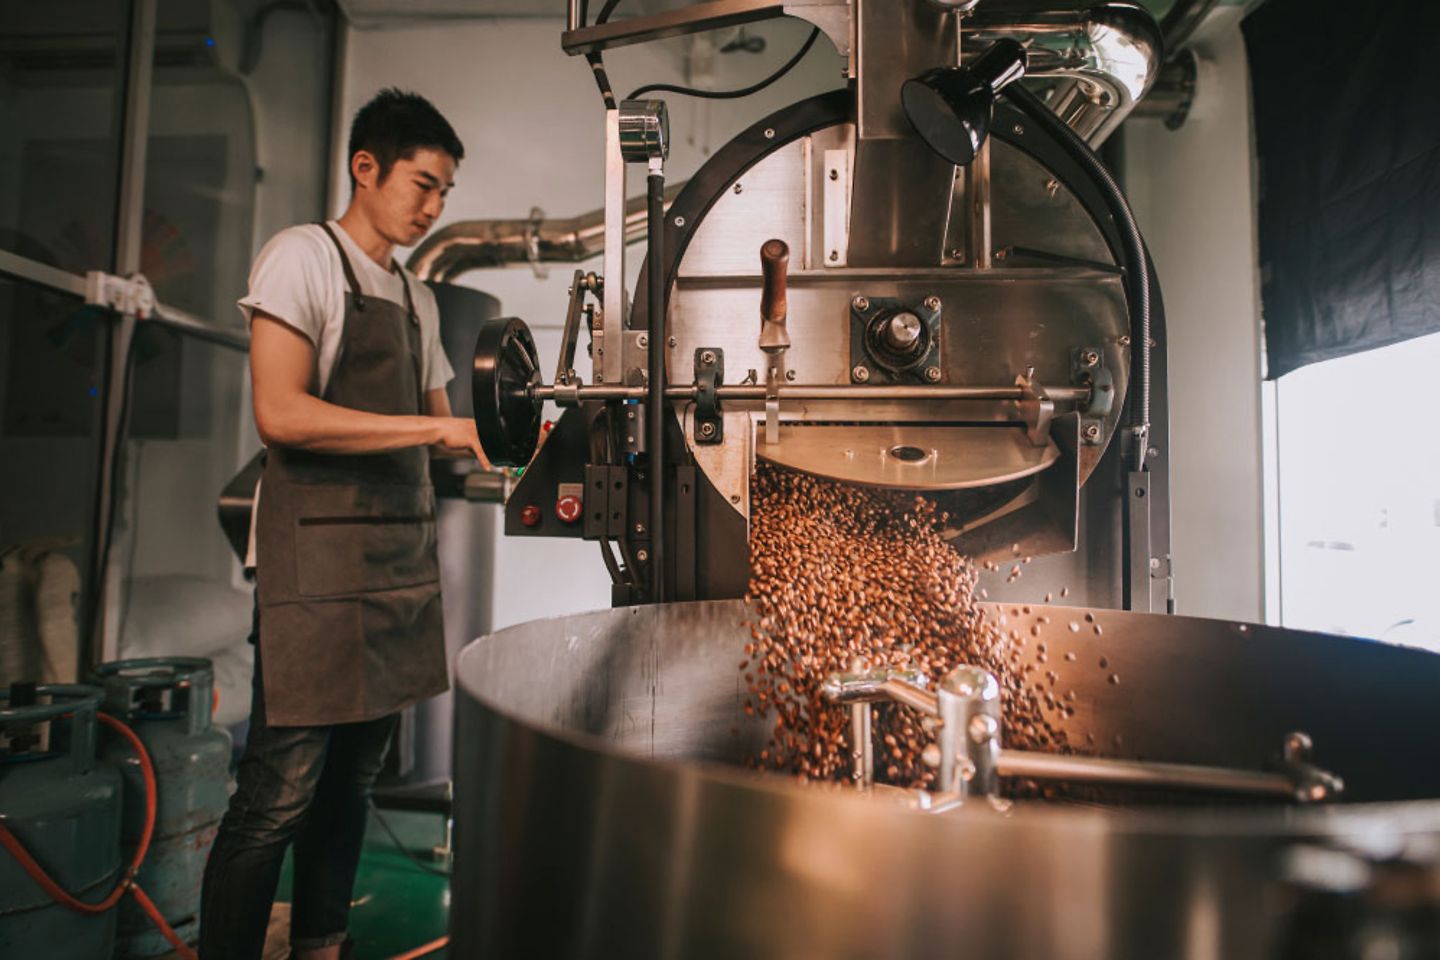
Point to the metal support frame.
(121, 290)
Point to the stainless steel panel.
(599, 812)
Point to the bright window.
(1355, 468)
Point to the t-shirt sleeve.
(435, 366)
(290, 281)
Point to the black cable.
(380, 819)
(730, 94)
(602, 79)
(597, 63)
(1137, 262)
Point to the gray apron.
(347, 578)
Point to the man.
(348, 381)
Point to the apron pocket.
(361, 540)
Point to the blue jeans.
(303, 785)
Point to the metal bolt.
(932, 303)
(1052, 187)
(679, 221)
(630, 414)
(789, 374)
(1090, 358)
(860, 303)
(957, 254)
(642, 554)
(639, 529)
(1153, 452)
(834, 174)
(707, 357)
(707, 430)
(643, 340)
(1123, 341)
(739, 188)
(672, 341)
(1154, 563)
(734, 498)
(834, 255)
(769, 133)
(1019, 130)
(932, 374)
(983, 729)
(860, 374)
(1091, 431)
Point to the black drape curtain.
(1347, 127)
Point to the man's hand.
(458, 438)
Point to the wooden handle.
(775, 265)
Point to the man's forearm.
(309, 423)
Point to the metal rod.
(655, 412)
(236, 338)
(862, 746)
(42, 274)
(911, 696)
(817, 391)
(100, 635)
(1142, 773)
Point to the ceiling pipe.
(481, 244)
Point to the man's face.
(405, 205)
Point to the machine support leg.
(1137, 541)
(655, 400)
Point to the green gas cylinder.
(65, 808)
(167, 702)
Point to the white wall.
(532, 123)
(1193, 193)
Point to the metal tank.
(64, 807)
(167, 701)
(602, 811)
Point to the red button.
(530, 515)
(568, 509)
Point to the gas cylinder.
(167, 702)
(64, 807)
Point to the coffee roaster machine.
(923, 281)
(832, 293)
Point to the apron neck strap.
(350, 279)
(405, 284)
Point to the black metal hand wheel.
(507, 417)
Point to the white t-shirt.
(299, 280)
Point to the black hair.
(395, 124)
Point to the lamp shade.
(951, 107)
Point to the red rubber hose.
(424, 951)
(127, 882)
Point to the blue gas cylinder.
(64, 807)
(167, 702)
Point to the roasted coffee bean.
(840, 573)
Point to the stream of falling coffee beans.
(845, 576)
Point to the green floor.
(398, 906)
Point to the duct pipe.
(479, 244)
